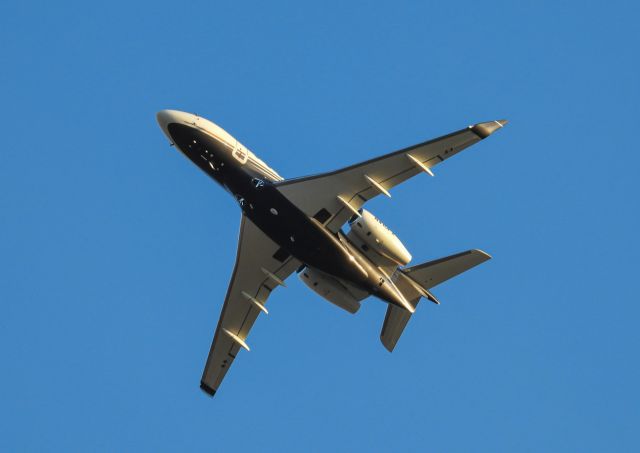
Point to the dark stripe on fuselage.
(261, 202)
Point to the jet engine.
(329, 288)
(375, 235)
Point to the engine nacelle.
(329, 288)
(376, 235)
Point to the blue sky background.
(115, 251)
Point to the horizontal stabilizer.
(420, 279)
(435, 272)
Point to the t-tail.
(415, 282)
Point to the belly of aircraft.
(271, 211)
(299, 236)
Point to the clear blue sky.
(115, 251)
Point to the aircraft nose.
(166, 117)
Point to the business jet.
(296, 225)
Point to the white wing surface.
(332, 198)
(260, 266)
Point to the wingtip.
(483, 130)
(206, 389)
(483, 254)
(387, 345)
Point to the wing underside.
(334, 197)
(260, 267)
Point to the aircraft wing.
(332, 198)
(260, 267)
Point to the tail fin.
(415, 282)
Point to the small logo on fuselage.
(241, 154)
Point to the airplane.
(296, 225)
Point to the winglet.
(483, 130)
